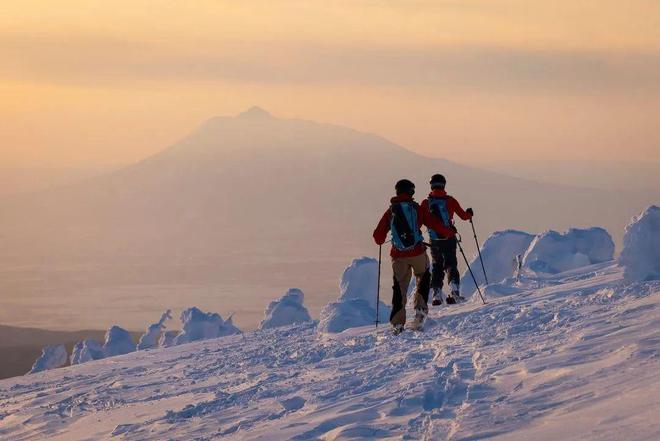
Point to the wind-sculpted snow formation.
(118, 341)
(356, 305)
(572, 356)
(199, 325)
(641, 246)
(167, 339)
(151, 338)
(553, 252)
(86, 350)
(196, 325)
(51, 357)
(499, 253)
(544, 254)
(287, 310)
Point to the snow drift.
(641, 246)
(51, 357)
(499, 253)
(199, 325)
(287, 310)
(356, 305)
(553, 252)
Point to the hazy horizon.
(629, 174)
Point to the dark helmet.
(405, 186)
(438, 181)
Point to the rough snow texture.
(641, 246)
(199, 325)
(499, 253)
(553, 252)
(87, 350)
(51, 357)
(150, 339)
(575, 356)
(287, 310)
(356, 305)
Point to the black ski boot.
(397, 329)
(456, 297)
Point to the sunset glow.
(92, 82)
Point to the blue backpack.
(406, 234)
(438, 208)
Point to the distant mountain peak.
(255, 112)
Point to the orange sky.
(94, 82)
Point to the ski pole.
(458, 242)
(483, 268)
(380, 252)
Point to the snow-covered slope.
(571, 356)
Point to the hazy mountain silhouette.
(277, 201)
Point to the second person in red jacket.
(442, 207)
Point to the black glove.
(470, 211)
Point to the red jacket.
(452, 207)
(423, 218)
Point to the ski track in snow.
(571, 357)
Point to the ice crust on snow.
(641, 246)
(199, 325)
(287, 310)
(552, 252)
(51, 357)
(499, 253)
(356, 305)
(152, 336)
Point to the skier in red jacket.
(404, 218)
(442, 207)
